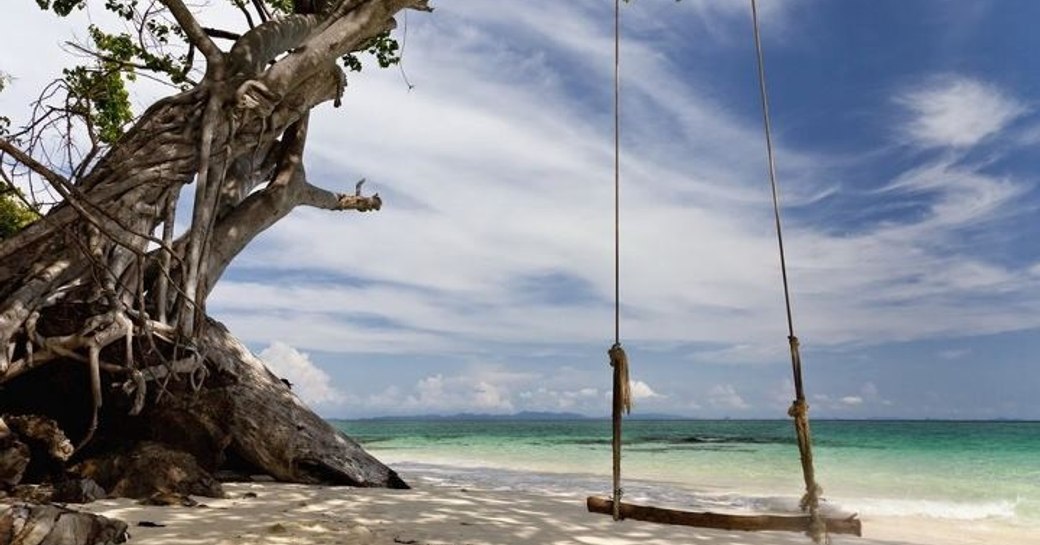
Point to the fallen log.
(273, 430)
(720, 521)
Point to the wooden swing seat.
(750, 523)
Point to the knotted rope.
(800, 412)
(799, 409)
(622, 404)
(622, 400)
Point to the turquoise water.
(952, 470)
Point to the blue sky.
(906, 136)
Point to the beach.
(511, 483)
(270, 513)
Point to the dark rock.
(148, 468)
(78, 491)
(33, 493)
(49, 448)
(169, 498)
(14, 458)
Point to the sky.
(906, 137)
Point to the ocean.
(959, 471)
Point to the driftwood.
(787, 523)
(27, 524)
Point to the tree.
(100, 305)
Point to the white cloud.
(957, 111)
(459, 393)
(309, 382)
(493, 388)
(642, 391)
(550, 399)
(725, 396)
(838, 404)
(481, 388)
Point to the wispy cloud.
(957, 111)
(496, 170)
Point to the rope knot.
(619, 361)
(817, 524)
(799, 409)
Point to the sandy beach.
(282, 514)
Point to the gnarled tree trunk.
(102, 321)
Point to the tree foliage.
(14, 213)
(154, 46)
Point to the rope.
(617, 172)
(799, 408)
(622, 399)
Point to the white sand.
(312, 515)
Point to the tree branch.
(264, 208)
(17, 154)
(221, 34)
(312, 195)
(335, 37)
(262, 44)
(196, 35)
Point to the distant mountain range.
(520, 416)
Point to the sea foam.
(886, 507)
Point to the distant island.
(526, 416)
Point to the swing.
(813, 522)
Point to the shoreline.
(439, 514)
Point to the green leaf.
(13, 213)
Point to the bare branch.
(261, 8)
(311, 195)
(24, 158)
(221, 34)
(245, 13)
(196, 35)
